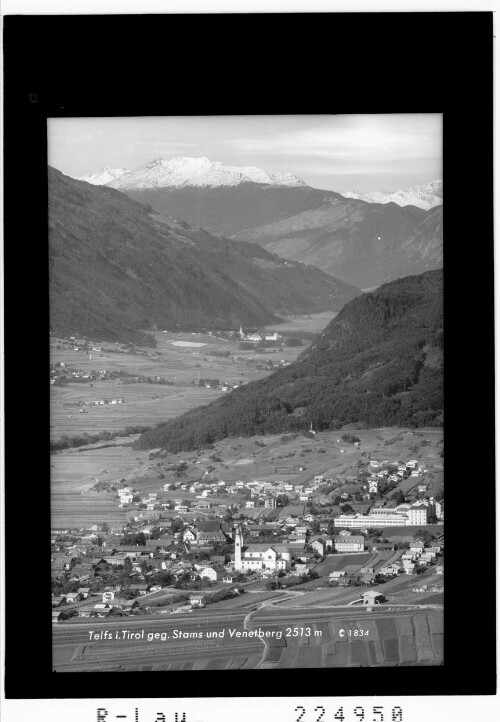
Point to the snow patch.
(425, 196)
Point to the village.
(197, 539)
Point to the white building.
(349, 543)
(361, 521)
(417, 515)
(258, 557)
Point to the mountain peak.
(104, 176)
(187, 171)
(425, 196)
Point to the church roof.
(258, 548)
(214, 525)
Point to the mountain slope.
(347, 238)
(118, 268)
(422, 250)
(353, 239)
(378, 363)
(425, 196)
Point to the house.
(203, 504)
(368, 577)
(215, 574)
(101, 610)
(125, 604)
(417, 547)
(208, 532)
(408, 557)
(321, 546)
(84, 592)
(372, 597)
(58, 600)
(337, 575)
(72, 597)
(440, 569)
(197, 600)
(141, 588)
(56, 617)
(228, 578)
(349, 543)
(188, 535)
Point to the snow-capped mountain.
(104, 176)
(182, 172)
(425, 196)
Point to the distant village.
(175, 554)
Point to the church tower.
(238, 546)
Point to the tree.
(399, 497)
(282, 500)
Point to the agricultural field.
(309, 323)
(74, 473)
(146, 404)
(337, 562)
(357, 639)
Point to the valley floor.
(406, 629)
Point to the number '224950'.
(359, 714)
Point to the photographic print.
(246, 392)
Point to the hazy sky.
(335, 152)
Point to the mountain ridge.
(426, 196)
(187, 171)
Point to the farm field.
(405, 637)
(147, 404)
(73, 474)
(337, 562)
(313, 323)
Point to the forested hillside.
(378, 363)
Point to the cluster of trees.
(367, 367)
(70, 442)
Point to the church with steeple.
(259, 557)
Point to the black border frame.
(56, 66)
